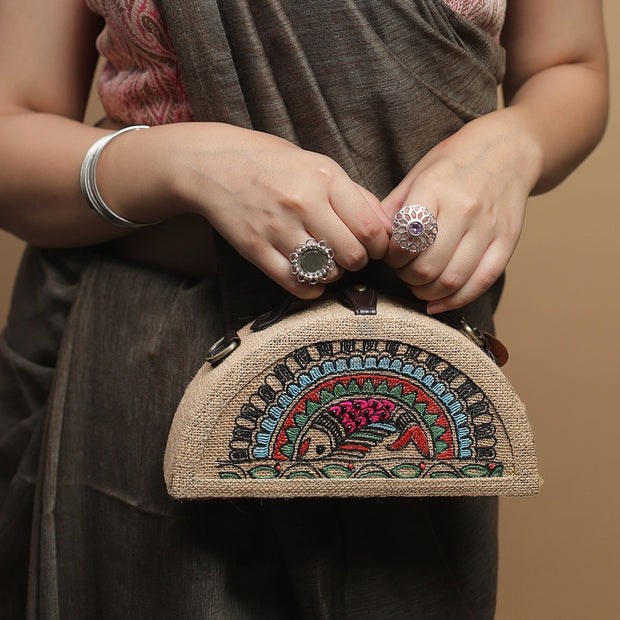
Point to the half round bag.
(330, 403)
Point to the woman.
(313, 120)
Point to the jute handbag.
(335, 401)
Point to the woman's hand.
(476, 183)
(478, 180)
(262, 193)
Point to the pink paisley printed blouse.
(141, 81)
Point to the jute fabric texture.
(329, 403)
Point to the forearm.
(560, 114)
(260, 192)
(556, 89)
(41, 200)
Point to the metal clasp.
(221, 349)
(473, 333)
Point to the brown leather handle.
(361, 298)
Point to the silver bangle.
(88, 182)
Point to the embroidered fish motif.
(353, 427)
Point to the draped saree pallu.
(374, 85)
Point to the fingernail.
(434, 308)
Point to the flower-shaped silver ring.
(312, 261)
(414, 228)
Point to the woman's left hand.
(476, 183)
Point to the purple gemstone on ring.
(416, 228)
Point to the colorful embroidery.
(363, 408)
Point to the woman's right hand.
(263, 194)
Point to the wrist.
(133, 175)
(208, 164)
(516, 145)
(90, 187)
(528, 148)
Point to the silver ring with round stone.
(414, 228)
(312, 261)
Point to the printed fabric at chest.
(141, 82)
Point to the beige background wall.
(560, 551)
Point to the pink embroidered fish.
(359, 412)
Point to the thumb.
(377, 207)
(394, 201)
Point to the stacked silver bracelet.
(88, 182)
